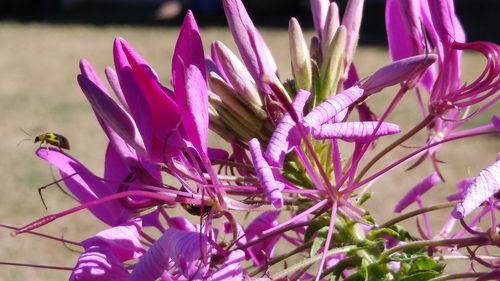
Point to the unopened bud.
(331, 68)
(408, 69)
(299, 53)
(352, 22)
(229, 97)
(238, 75)
(331, 24)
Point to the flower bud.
(238, 75)
(299, 53)
(352, 22)
(331, 25)
(408, 69)
(229, 98)
(331, 67)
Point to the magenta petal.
(115, 85)
(332, 106)
(100, 264)
(231, 270)
(84, 185)
(354, 131)
(183, 248)
(122, 240)
(485, 185)
(253, 50)
(272, 188)
(217, 153)
(113, 115)
(283, 137)
(195, 118)
(163, 110)
(417, 191)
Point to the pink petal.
(163, 110)
(183, 248)
(332, 106)
(84, 185)
(352, 21)
(354, 131)
(188, 51)
(195, 118)
(445, 21)
(283, 137)
(496, 122)
(417, 191)
(100, 264)
(112, 114)
(272, 188)
(115, 85)
(253, 50)
(485, 185)
(122, 240)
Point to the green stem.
(417, 212)
(477, 240)
(281, 258)
(427, 120)
(459, 276)
(309, 261)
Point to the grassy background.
(39, 93)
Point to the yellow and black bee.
(53, 139)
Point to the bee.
(53, 139)
(196, 210)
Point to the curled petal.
(283, 137)
(84, 184)
(183, 248)
(462, 188)
(272, 188)
(417, 191)
(332, 106)
(483, 187)
(355, 131)
(122, 240)
(100, 264)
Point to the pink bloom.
(355, 131)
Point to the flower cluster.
(283, 160)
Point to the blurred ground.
(39, 93)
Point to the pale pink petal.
(485, 185)
(332, 106)
(271, 187)
(183, 248)
(354, 131)
(122, 240)
(115, 85)
(417, 191)
(352, 21)
(98, 263)
(84, 185)
(284, 137)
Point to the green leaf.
(315, 226)
(421, 276)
